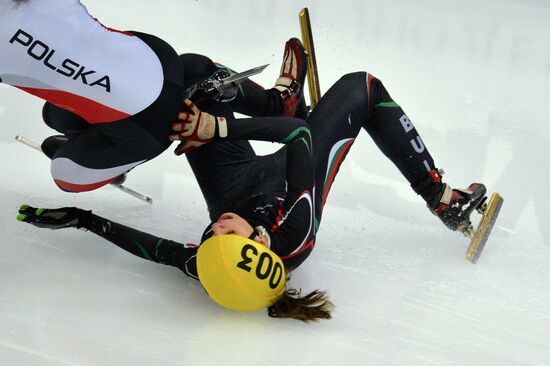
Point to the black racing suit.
(285, 191)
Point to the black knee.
(196, 68)
(377, 92)
(369, 84)
(372, 90)
(62, 120)
(356, 90)
(358, 76)
(47, 115)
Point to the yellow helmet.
(239, 273)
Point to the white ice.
(472, 75)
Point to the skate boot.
(291, 79)
(452, 206)
(51, 144)
(455, 206)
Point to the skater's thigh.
(96, 149)
(345, 103)
(334, 124)
(93, 157)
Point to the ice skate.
(455, 207)
(489, 213)
(291, 79)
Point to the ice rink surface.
(472, 75)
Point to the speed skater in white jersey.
(119, 90)
(112, 94)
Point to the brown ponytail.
(311, 307)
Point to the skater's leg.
(286, 98)
(334, 124)
(360, 100)
(196, 68)
(251, 100)
(255, 101)
(93, 159)
(157, 118)
(63, 121)
(398, 139)
(67, 123)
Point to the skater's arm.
(273, 129)
(134, 241)
(142, 244)
(255, 101)
(195, 128)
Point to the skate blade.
(484, 228)
(312, 73)
(140, 196)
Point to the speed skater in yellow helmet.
(240, 274)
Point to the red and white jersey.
(55, 50)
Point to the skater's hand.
(185, 146)
(196, 126)
(231, 223)
(58, 218)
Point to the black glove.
(57, 218)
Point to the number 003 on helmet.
(240, 274)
